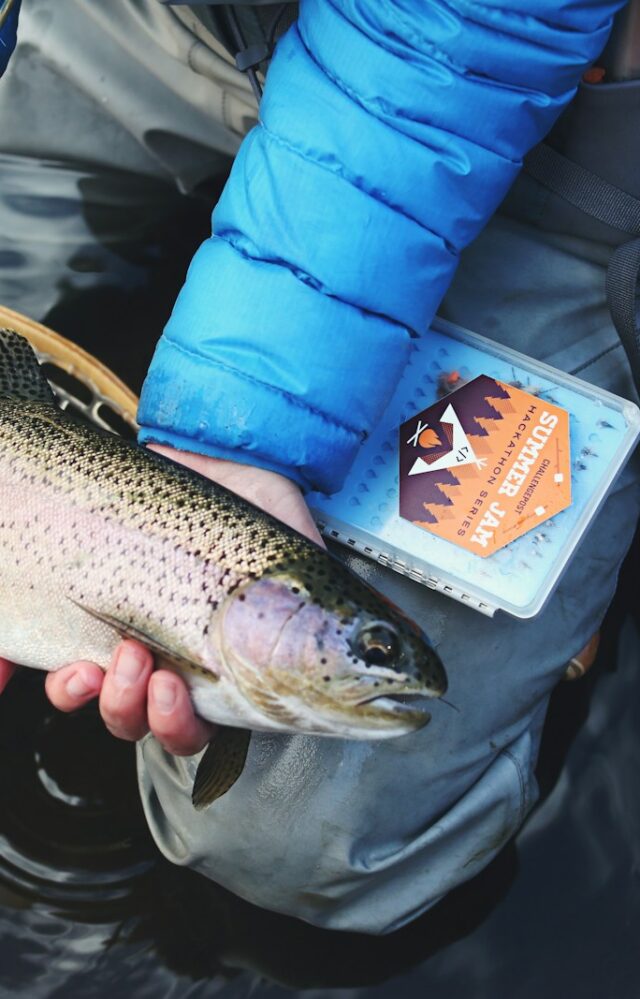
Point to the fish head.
(315, 649)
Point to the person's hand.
(133, 697)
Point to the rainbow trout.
(101, 539)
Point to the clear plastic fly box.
(484, 473)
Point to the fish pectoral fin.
(169, 658)
(221, 765)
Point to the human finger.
(172, 718)
(73, 686)
(123, 698)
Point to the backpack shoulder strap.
(609, 204)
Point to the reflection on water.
(87, 905)
(83, 889)
(97, 255)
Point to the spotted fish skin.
(100, 538)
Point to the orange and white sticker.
(484, 465)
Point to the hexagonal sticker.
(484, 465)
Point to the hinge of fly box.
(449, 589)
(406, 569)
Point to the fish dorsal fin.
(21, 376)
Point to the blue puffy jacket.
(389, 132)
(8, 26)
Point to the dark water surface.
(87, 905)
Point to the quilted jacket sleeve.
(389, 133)
(8, 26)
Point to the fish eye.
(377, 644)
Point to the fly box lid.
(483, 474)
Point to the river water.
(87, 905)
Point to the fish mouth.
(389, 713)
(378, 702)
